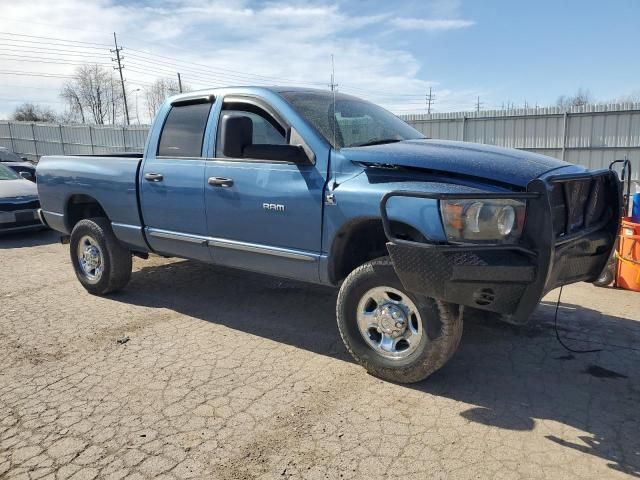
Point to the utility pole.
(333, 85)
(179, 82)
(113, 103)
(430, 100)
(478, 104)
(119, 68)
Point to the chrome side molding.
(234, 245)
(263, 249)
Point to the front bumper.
(17, 217)
(512, 279)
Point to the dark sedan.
(17, 164)
(19, 203)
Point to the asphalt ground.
(195, 371)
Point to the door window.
(266, 131)
(183, 131)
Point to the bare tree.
(29, 112)
(94, 95)
(632, 97)
(581, 97)
(158, 91)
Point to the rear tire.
(372, 296)
(606, 277)
(101, 263)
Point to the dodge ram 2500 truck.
(328, 188)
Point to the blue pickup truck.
(327, 188)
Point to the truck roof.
(248, 89)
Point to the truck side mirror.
(26, 175)
(236, 132)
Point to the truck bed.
(111, 180)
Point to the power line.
(34, 74)
(245, 74)
(45, 60)
(173, 68)
(51, 38)
(17, 42)
(53, 51)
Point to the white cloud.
(429, 24)
(280, 42)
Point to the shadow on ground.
(518, 378)
(29, 238)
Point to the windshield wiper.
(377, 141)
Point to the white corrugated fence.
(592, 135)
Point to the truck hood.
(504, 165)
(17, 190)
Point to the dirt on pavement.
(195, 371)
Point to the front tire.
(394, 334)
(101, 263)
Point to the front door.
(264, 215)
(172, 184)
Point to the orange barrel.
(628, 275)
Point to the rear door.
(172, 183)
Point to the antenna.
(334, 87)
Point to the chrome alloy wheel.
(90, 259)
(389, 322)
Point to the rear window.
(183, 131)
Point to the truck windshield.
(355, 122)
(7, 156)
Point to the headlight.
(483, 221)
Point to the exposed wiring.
(555, 323)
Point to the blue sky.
(389, 52)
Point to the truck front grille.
(581, 203)
(13, 206)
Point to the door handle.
(220, 182)
(153, 177)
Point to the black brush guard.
(565, 239)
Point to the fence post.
(13, 147)
(564, 133)
(61, 138)
(35, 142)
(124, 139)
(91, 140)
(464, 124)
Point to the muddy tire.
(606, 277)
(396, 335)
(101, 263)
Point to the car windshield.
(7, 174)
(355, 122)
(7, 156)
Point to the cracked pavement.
(202, 372)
